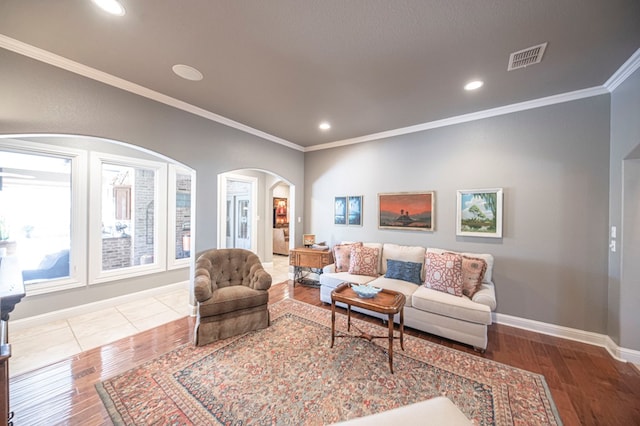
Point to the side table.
(312, 259)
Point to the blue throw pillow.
(405, 271)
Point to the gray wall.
(38, 98)
(551, 264)
(624, 268)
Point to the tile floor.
(36, 347)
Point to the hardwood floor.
(588, 386)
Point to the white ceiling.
(367, 66)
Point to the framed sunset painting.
(411, 211)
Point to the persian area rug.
(287, 374)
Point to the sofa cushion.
(444, 272)
(370, 245)
(334, 279)
(437, 302)
(341, 256)
(364, 261)
(406, 271)
(404, 253)
(473, 269)
(401, 286)
(488, 274)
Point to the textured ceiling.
(367, 66)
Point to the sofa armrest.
(486, 296)
(329, 269)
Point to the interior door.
(242, 222)
(237, 224)
(239, 215)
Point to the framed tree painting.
(479, 213)
(406, 210)
(354, 210)
(340, 211)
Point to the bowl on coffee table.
(365, 291)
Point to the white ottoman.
(435, 411)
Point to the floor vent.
(525, 57)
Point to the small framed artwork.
(406, 210)
(308, 240)
(479, 213)
(340, 211)
(354, 210)
(280, 218)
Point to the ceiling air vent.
(525, 57)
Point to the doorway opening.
(246, 208)
(238, 195)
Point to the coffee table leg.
(348, 317)
(402, 329)
(333, 321)
(391, 342)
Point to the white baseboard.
(604, 341)
(63, 314)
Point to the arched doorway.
(263, 217)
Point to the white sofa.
(453, 317)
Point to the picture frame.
(340, 210)
(410, 211)
(308, 240)
(354, 210)
(479, 213)
(280, 212)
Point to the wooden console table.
(309, 258)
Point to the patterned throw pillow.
(405, 271)
(473, 270)
(364, 261)
(341, 256)
(444, 272)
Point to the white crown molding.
(628, 68)
(604, 341)
(97, 75)
(493, 112)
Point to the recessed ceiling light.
(324, 126)
(473, 85)
(187, 72)
(110, 6)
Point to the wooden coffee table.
(387, 302)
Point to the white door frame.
(223, 179)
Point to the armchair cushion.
(231, 299)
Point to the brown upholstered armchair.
(231, 290)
